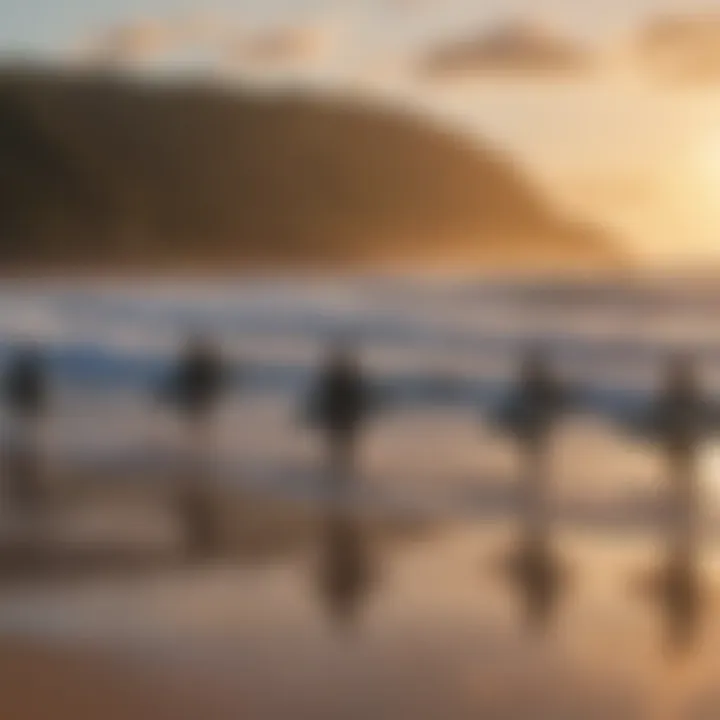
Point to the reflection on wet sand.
(22, 471)
(346, 568)
(431, 620)
(681, 597)
(537, 579)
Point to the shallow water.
(396, 601)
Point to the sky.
(614, 144)
(47, 25)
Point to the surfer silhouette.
(533, 414)
(196, 388)
(339, 407)
(540, 401)
(25, 393)
(678, 417)
(199, 380)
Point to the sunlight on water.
(710, 471)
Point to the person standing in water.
(25, 393)
(339, 407)
(678, 417)
(198, 383)
(531, 418)
(196, 388)
(540, 402)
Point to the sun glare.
(710, 470)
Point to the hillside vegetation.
(108, 172)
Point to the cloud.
(281, 46)
(410, 5)
(147, 40)
(516, 48)
(679, 48)
(130, 42)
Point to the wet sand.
(262, 631)
(63, 666)
(39, 682)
